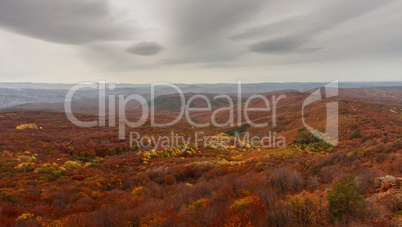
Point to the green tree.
(345, 199)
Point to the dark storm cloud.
(63, 21)
(145, 48)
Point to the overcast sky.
(200, 41)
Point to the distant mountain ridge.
(14, 94)
(284, 85)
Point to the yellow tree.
(308, 208)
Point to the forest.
(53, 173)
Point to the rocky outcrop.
(388, 182)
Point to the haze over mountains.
(13, 95)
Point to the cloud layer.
(145, 48)
(64, 21)
(229, 38)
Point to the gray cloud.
(205, 22)
(337, 12)
(287, 25)
(64, 21)
(109, 57)
(231, 38)
(290, 44)
(302, 31)
(145, 48)
(200, 28)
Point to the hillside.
(58, 174)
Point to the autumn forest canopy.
(55, 173)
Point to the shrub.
(28, 126)
(312, 143)
(330, 173)
(30, 167)
(245, 212)
(7, 197)
(170, 179)
(92, 165)
(46, 170)
(287, 180)
(393, 202)
(381, 157)
(239, 129)
(72, 164)
(306, 139)
(200, 204)
(223, 194)
(365, 178)
(57, 174)
(137, 191)
(356, 135)
(307, 208)
(78, 177)
(25, 216)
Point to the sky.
(200, 41)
